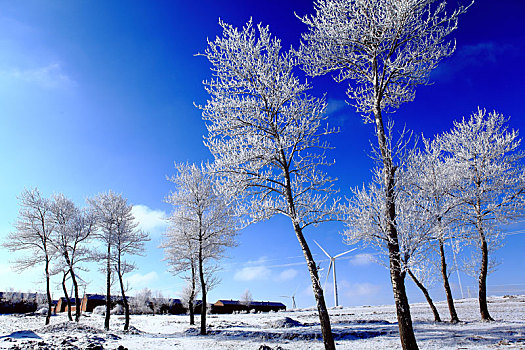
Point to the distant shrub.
(117, 310)
(41, 311)
(99, 310)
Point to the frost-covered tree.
(205, 218)
(385, 49)
(367, 224)
(181, 254)
(433, 180)
(60, 268)
(128, 240)
(73, 228)
(423, 273)
(246, 298)
(188, 295)
(33, 229)
(493, 182)
(117, 229)
(265, 132)
(103, 206)
(142, 302)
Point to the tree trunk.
(48, 292)
(324, 317)
(77, 300)
(404, 319)
(482, 296)
(192, 295)
(124, 300)
(203, 287)
(108, 289)
(450, 300)
(66, 296)
(192, 313)
(426, 294)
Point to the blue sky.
(99, 95)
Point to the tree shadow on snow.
(464, 334)
(22, 335)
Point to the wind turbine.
(291, 297)
(332, 263)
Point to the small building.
(231, 306)
(173, 307)
(224, 306)
(61, 305)
(91, 301)
(266, 306)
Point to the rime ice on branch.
(384, 49)
(492, 176)
(265, 133)
(203, 224)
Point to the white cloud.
(50, 76)
(334, 106)
(260, 270)
(150, 220)
(287, 275)
(480, 54)
(308, 292)
(251, 273)
(358, 289)
(137, 280)
(362, 259)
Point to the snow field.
(353, 327)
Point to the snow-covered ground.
(354, 328)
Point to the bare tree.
(493, 182)
(204, 216)
(73, 229)
(265, 133)
(33, 230)
(386, 49)
(246, 298)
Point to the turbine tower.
(332, 263)
(291, 297)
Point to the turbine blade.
(327, 274)
(324, 251)
(348, 251)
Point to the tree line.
(267, 135)
(55, 231)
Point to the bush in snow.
(142, 302)
(117, 310)
(99, 310)
(41, 311)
